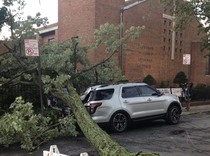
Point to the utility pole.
(122, 9)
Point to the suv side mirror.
(158, 93)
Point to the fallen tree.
(98, 138)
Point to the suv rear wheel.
(173, 115)
(119, 122)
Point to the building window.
(180, 34)
(164, 31)
(169, 40)
(169, 32)
(50, 40)
(175, 49)
(169, 48)
(180, 42)
(164, 47)
(207, 65)
(164, 22)
(164, 39)
(180, 50)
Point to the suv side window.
(129, 92)
(146, 91)
(104, 94)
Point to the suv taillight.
(94, 106)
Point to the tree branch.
(103, 61)
(24, 66)
(16, 77)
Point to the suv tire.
(119, 122)
(173, 115)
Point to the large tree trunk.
(99, 139)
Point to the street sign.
(31, 47)
(186, 59)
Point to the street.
(191, 137)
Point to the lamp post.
(122, 9)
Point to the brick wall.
(75, 18)
(153, 55)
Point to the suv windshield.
(103, 94)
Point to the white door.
(154, 103)
(131, 101)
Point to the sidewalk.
(196, 109)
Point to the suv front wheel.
(119, 122)
(173, 115)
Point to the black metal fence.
(9, 93)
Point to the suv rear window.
(104, 94)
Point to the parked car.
(118, 105)
(84, 97)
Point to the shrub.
(180, 78)
(201, 92)
(164, 84)
(207, 92)
(200, 86)
(31, 130)
(149, 80)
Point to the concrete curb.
(196, 109)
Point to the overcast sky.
(47, 8)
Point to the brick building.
(161, 51)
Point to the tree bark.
(99, 139)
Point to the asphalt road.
(191, 137)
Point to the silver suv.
(119, 105)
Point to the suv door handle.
(125, 101)
(149, 99)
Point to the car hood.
(175, 97)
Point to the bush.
(201, 92)
(180, 78)
(200, 86)
(207, 92)
(164, 84)
(31, 130)
(149, 80)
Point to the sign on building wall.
(186, 59)
(31, 47)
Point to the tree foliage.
(186, 11)
(12, 16)
(22, 125)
